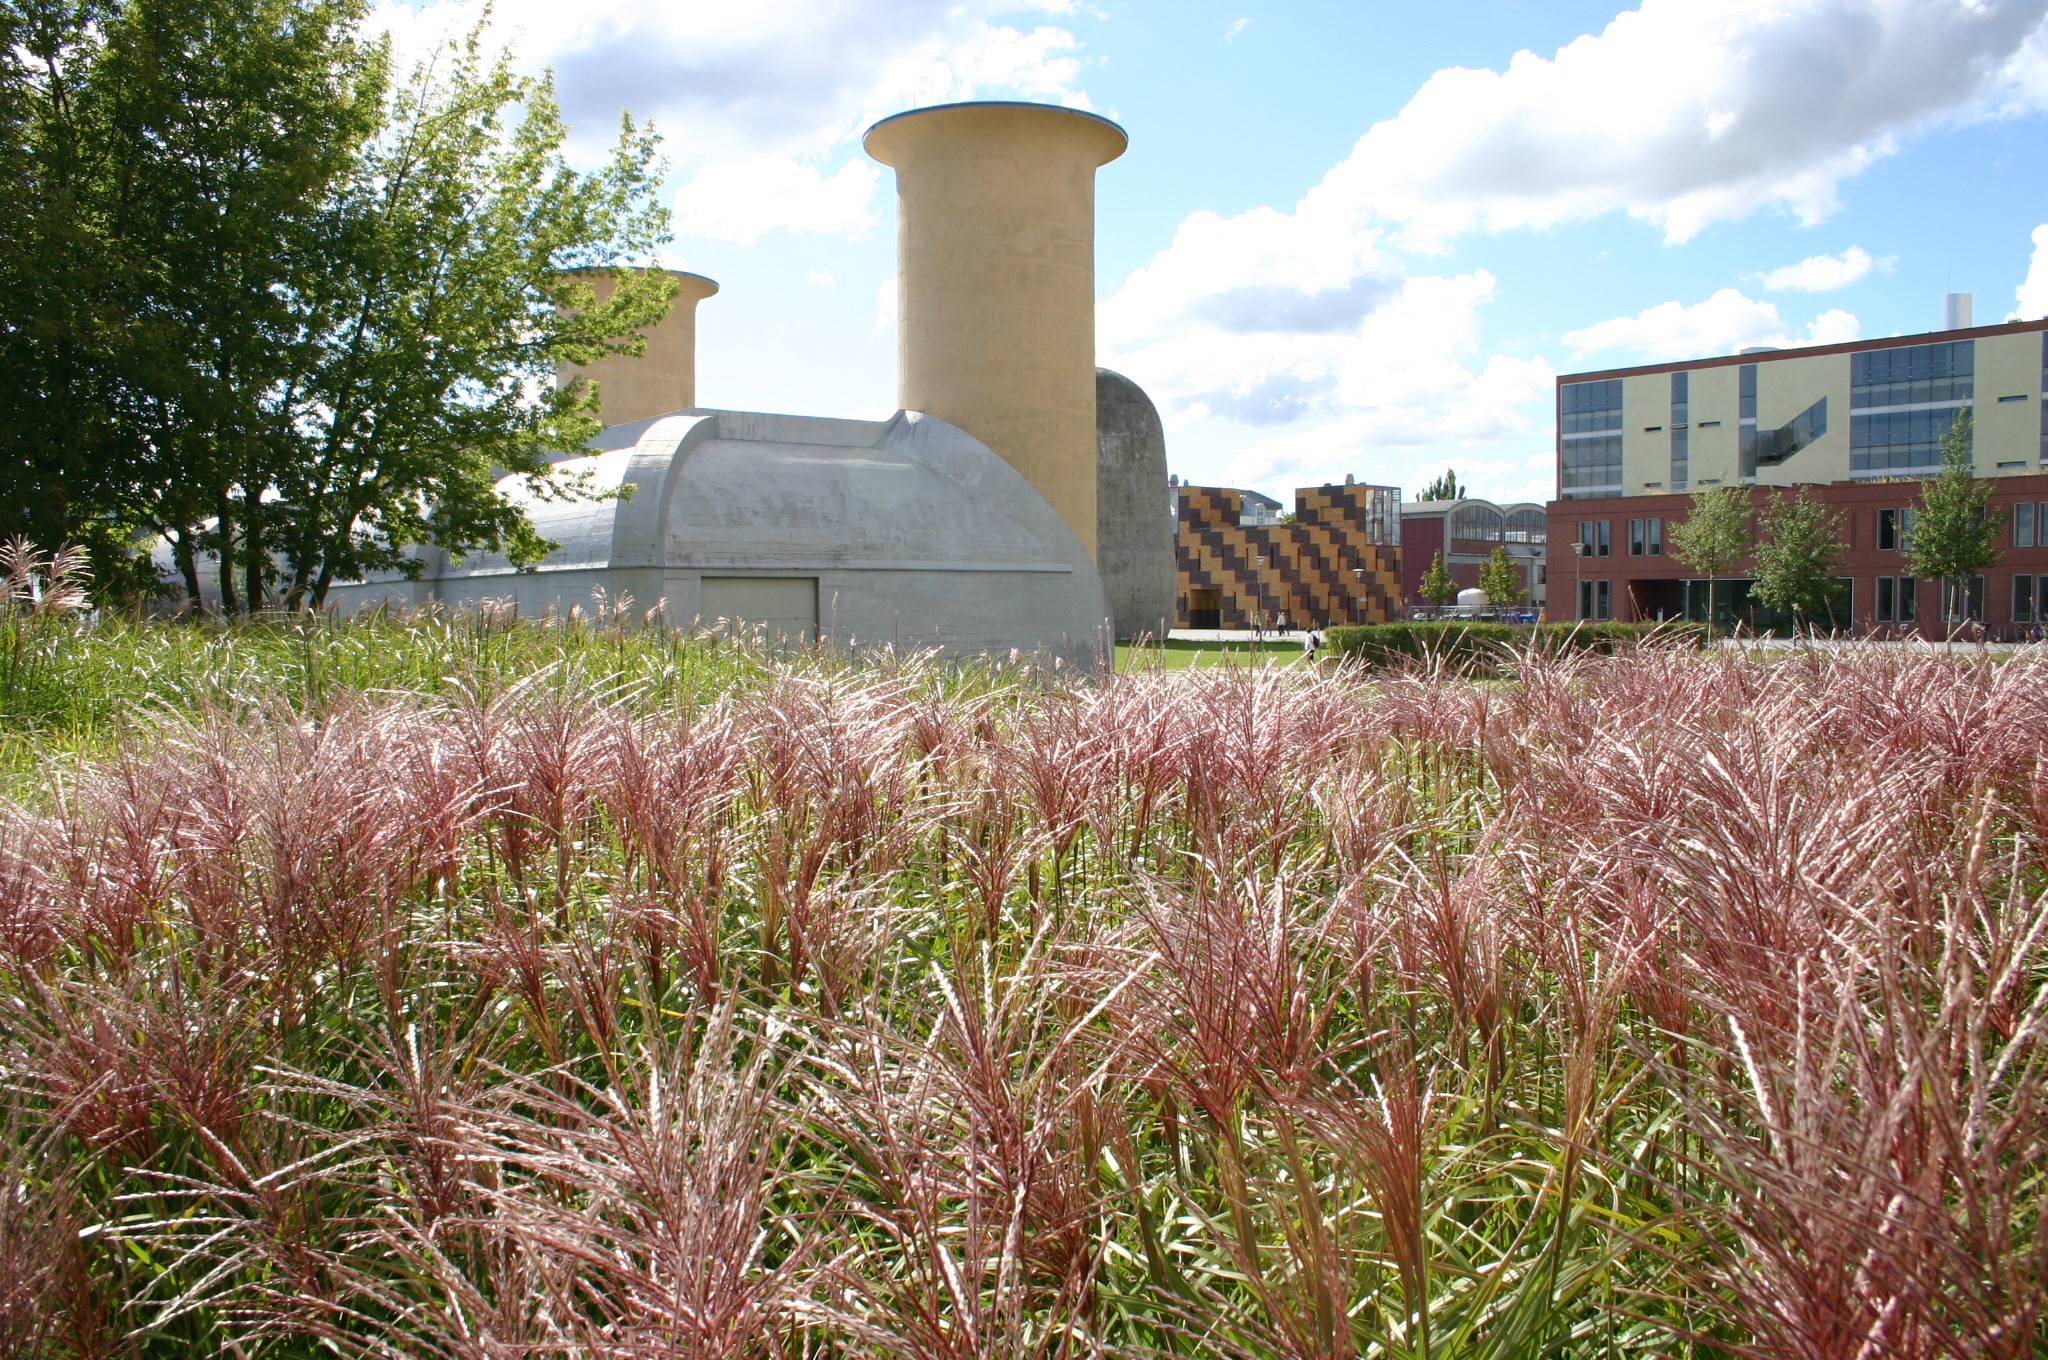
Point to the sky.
(1347, 238)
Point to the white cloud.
(1722, 324)
(1230, 34)
(885, 304)
(821, 277)
(1819, 273)
(1315, 341)
(1688, 112)
(744, 199)
(734, 87)
(2032, 295)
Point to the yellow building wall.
(2008, 431)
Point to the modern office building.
(1243, 565)
(1857, 424)
(1466, 532)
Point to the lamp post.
(1579, 549)
(1359, 573)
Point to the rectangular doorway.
(784, 608)
(1205, 609)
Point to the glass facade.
(1476, 523)
(1746, 419)
(1681, 429)
(1589, 439)
(1902, 401)
(1775, 446)
(1527, 526)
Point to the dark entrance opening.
(1205, 609)
(1656, 601)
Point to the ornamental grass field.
(457, 989)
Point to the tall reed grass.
(1657, 1004)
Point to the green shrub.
(1470, 645)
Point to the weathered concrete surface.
(664, 377)
(1134, 521)
(917, 535)
(996, 282)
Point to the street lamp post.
(1579, 549)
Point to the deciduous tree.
(1713, 537)
(1437, 583)
(1798, 552)
(1955, 536)
(1500, 576)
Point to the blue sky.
(1348, 238)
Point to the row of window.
(1894, 531)
(1893, 441)
(1896, 599)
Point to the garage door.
(785, 608)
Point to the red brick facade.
(1645, 586)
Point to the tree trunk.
(187, 561)
(225, 530)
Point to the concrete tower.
(1135, 511)
(996, 282)
(662, 379)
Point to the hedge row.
(1468, 644)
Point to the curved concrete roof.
(917, 533)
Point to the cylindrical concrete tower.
(996, 282)
(662, 379)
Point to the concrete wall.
(664, 377)
(996, 283)
(1134, 514)
(916, 534)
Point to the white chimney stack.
(1955, 313)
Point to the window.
(1902, 401)
(1646, 538)
(1477, 523)
(1593, 534)
(1775, 446)
(1593, 600)
(1589, 438)
(1527, 526)
(2022, 599)
(2023, 525)
(1681, 435)
(1895, 599)
(1966, 604)
(1745, 412)
(1895, 529)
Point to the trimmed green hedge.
(1468, 644)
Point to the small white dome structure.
(904, 532)
(1473, 598)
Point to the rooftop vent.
(1955, 312)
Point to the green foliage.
(1798, 553)
(1954, 534)
(1500, 576)
(259, 301)
(1714, 536)
(1444, 488)
(1437, 583)
(1463, 645)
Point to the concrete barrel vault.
(996, 282)
(664, 377)
(1136, 516)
